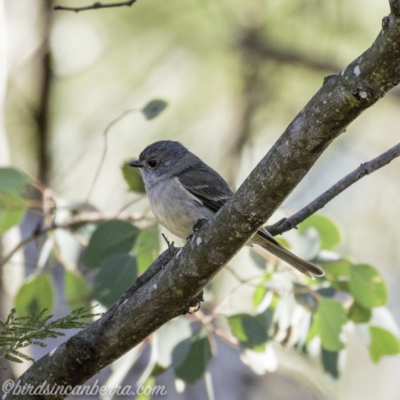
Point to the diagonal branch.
(364, 169)
(95, 6)
(341, 99)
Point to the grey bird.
(182, 190)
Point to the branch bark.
(341, 99)
(364, 169)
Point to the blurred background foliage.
(233, 74)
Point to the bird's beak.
(136, 164)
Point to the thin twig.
(229, 295)
(95, 6)
(105, 148)
(130, 203)
(70, 224)
(363, 170)
(244, 281)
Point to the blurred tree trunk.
(12, 274)
(43, 111)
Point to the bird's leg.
(196, 227)
(171, 247)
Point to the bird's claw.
(194, 304)
(171, 248)
(196, 227)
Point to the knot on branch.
(274, 228)
(328, 78)
(362, 93)
(385, 23)
(395, 7)
(365, 169)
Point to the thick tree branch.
(95, 6)
(340, 100)
(364, 169)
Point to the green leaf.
(114, 277)
(157, 370)
(258, 260)
(168, 337)
(260, 291)
(359, 314)
(304, 297)
(191, 357)
(35, 295)
(331, 316)
(281, 240)
(327, 229)
(252, 331)
(8, 219)
(330, 361)
(77, 291)
(337, 270)
(154, 108)
(13, 201)
(12, 209)
(314, 330)
(147, 248)
(337, 274)
(383, 343)
(111, 237)
(326, 292)
(133, 178)
(12, 180)
(367, 286)
(144, 392)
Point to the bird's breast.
(175, 208)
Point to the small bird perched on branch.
(182, 190)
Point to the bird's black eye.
(152, 163)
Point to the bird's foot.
(196, 227)
(199, 224)
(194, 305)
(171, 248)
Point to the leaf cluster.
(17, 333)
(315, 317)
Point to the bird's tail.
(268, 243)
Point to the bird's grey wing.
(206, 185)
